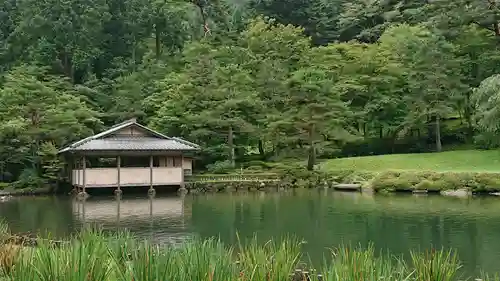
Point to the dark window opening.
(177, 162)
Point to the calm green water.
(322, 219)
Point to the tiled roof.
(106, 141)
(133, 143)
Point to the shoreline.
(456, 184)
(26, 192)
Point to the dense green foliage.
(248, 79)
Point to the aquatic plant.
(147, 263)
(120, 248)
(271, 261)
(360, 264)
(9, 254)
(206, 260)
(487, 277)
(94, 255)
(84, 259)
(23, 269)
(4, 231)
(435, 265)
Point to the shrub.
(431, 186)
(456, 180)
(425, 185)
(221, 167)
(394, 181)
(484, 182)
(416, 180)
(29, 178)
(350, 176)
(256, 163)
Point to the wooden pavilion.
(129, 154)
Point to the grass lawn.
(449, 161)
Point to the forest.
(248, 80)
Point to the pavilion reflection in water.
(141, 216)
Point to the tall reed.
(488, 277)
(272, 261)
(4, 231)
(8, 252)
(206, 260)
(95, 256)
(83, 259)
(361, 264)
(436, 265)
(147, 263)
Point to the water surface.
(323, 219)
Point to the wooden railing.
(264, 177)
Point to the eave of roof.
(182, 145)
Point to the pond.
(323, 219)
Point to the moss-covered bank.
(388, 181)
(412, 181)
(295, 176)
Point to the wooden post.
(83, 174)
(118, 166)
(71, 169)
(151, 171)
(182, 169)
(151, 191)
(77, 164)
(182, 190)
(118, 191)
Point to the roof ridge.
(183, 141)
(101, 134)
(120, 126)
(106, 132)
(131, 121)
(128, 144)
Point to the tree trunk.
(311, 160)
(381, 132)
(68, 66)
(429, 126)
(438, 134)
(230, 143)
(394, 136)
(206, 29)
(261, 150)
